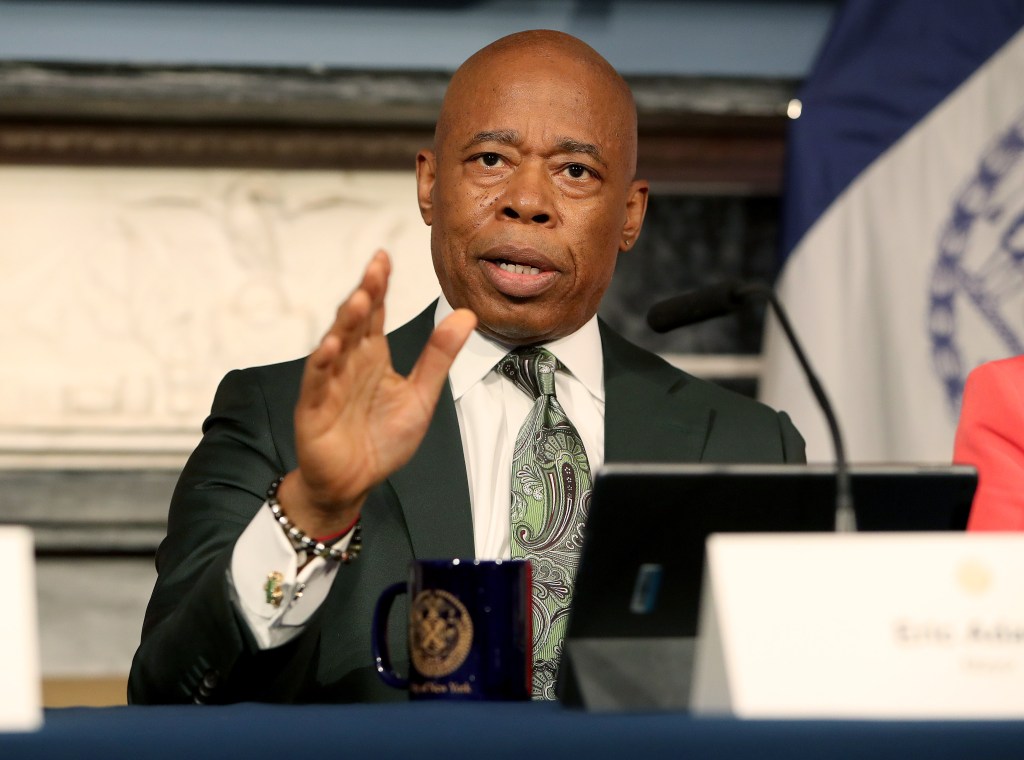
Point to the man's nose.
(528, 195)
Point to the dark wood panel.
(698, 131)
(176, 145)
(752, 162)
(742, 163)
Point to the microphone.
(697, 305)
(726, 297)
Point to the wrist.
(331, 538)
(330, 520)
(310, 546)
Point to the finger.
(374, 287)
(317, 372)
(448, 338)
(376, 275)
(360, 313)
(351, 322)
(330, 355)
(379, 289)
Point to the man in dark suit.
(399, 445)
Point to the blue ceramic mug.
(470, 630)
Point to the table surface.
(494, 730)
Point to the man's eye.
(489, 159)
(577, 171)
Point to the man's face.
(530, 196)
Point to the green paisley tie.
(550, 498)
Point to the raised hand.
(357, 420)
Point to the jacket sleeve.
(990, 436)
(195, 647)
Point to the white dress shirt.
(490, 411)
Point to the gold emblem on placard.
(440, 633)
(974, 577)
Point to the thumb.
(448, 338)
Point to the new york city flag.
(903, 222)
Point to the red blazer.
(990, 436)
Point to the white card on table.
(882, 625)
(20, 686)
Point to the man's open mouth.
(508, 266)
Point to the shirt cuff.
(264, 556)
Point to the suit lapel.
(642, 424)
(432, 488)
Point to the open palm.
(357, 419)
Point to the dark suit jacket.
(195, 647)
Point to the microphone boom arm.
(846, 518)
(726, 297)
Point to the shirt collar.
(580, 353)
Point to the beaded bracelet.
(310, 545)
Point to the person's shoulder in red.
(990, 436)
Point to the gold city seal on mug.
(470, 631)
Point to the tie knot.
(532, 370)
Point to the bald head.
(529, 191)
(543, 52)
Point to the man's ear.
(426, 171)
(636, 208)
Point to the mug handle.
(379, 637)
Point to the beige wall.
(126, 294)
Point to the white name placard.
(893, 625)
(20, 686)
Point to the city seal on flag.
(978, 277)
